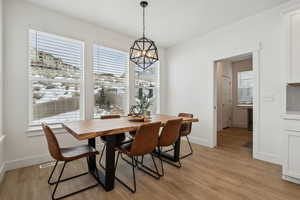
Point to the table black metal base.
(106, 179)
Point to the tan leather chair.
(169, 135)
(145, 141)
(66, 155)
(131, 133)
(185, 130)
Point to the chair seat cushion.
(127, 140)
(73, 153)
(125, 148)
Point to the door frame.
(256, 94)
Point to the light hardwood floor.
(236, 140)
(223, 173)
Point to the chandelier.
(143, 52)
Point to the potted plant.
(143, 103)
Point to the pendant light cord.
(143, 21)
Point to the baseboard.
(2, 163)
(26, 162)
(239, 125)
(271, 158)
(32, 160)
(2, 172)
(291, 179)
(200, 141)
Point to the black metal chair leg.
(148, 170)
(55, 188)
(191, 149)
(102, 152)
(63, 180)
(169, 162)
(133, 174)
(127, 161)
(142, 160)
(157, 172)
(116, 165)
(161, 162)
(172, 163)
(172, 149)
(50, 177)
(60, 181)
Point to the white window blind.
(147, 83)
(110, 70)
(245, 87)
(56, 65)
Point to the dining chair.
(144, 142)
(66, 155)
(131, 133)
(168, 137)
(121, 138)
(185, 131)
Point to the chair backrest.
(146, 139)
(170, 132)
(53, 145)
(186, 128)
(110, 116)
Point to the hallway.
(236, 140)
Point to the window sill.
(33, 131)
(244, 105)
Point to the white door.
(224, 94)
(226, 102)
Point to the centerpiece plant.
(143, 103)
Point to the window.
(110, 70)
(147, 83)
(56, 65)
(245, 87)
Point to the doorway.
(234, 100)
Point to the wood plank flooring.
(226, 172)
(236, 140)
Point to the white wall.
(19, 18)
(1, 96)
(239, 114)
(190, 76)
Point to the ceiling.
(168, 22)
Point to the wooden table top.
(86, 129)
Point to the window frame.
(81, 81)
(86, 109)
(157, 87)
(128, 78)
(237, 87)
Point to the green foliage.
(143, 102)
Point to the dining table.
(110, 128)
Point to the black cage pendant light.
(143, 52)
